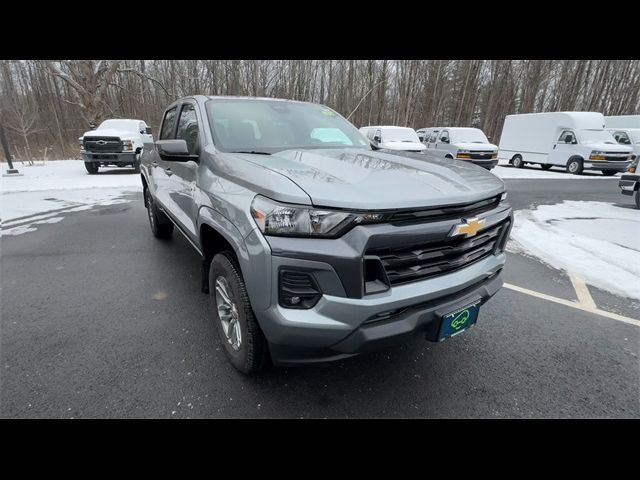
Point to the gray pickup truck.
(315, 247)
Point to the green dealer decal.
(460, 320)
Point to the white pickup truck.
(116, 142)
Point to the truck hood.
(110, 132)
(609, 147)
(375, 180)
(403, 146)
(480, 147)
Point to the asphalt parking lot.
(101, 320)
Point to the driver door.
(563, 148)
(182, 175)
(442, 143)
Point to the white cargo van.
(573, 140)
(461, 143)
(393, 138)
(626, 130)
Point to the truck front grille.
(483, 155)
(444, 213)
(410, 263)
(102, 144)
(616, 156)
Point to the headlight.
(127, 144)
(597, 155)
(463, 154)
(275, 218)
(503, 197)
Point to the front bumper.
(109, 158)
(629, 184)
(338, 328)
(489, 164)
(619, 166)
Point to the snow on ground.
(504, 170)
(44, 193)
(597, 241)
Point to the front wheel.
(238, 330)
(575, 166)
(136, 164)
(609, 173)
(517, 162)
(92, 167)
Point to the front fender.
(253, 253)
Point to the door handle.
(554, 146)
(168, 171)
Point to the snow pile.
(67, 175)
(41, 194)
(597, 241)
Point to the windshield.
(472, 135)
(596, 136)
(399, 135)
(635, 135)
(269, 126)
(131, 125)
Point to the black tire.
(609, 173)
(92, 167)
(251, 353)
(136, 164)
(517, 162)
(575, 166)
(638, 199)
(161, 226)
(546, 166)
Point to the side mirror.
(174, 151)
(444, 139)
(147, 131)
(377, 139)
(568, 139)
(420, 138)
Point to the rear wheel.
(449, 157)
(575, 166)
(609, 173)
(546, 166)
(238, 330)
(92, 167)
(517, 162)
(161, 226)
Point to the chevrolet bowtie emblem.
(469, 228)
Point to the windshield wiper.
(255, 152)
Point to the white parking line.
(577, 306)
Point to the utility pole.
(7, 153)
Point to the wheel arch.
(216, 234)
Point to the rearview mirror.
(174, 151)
